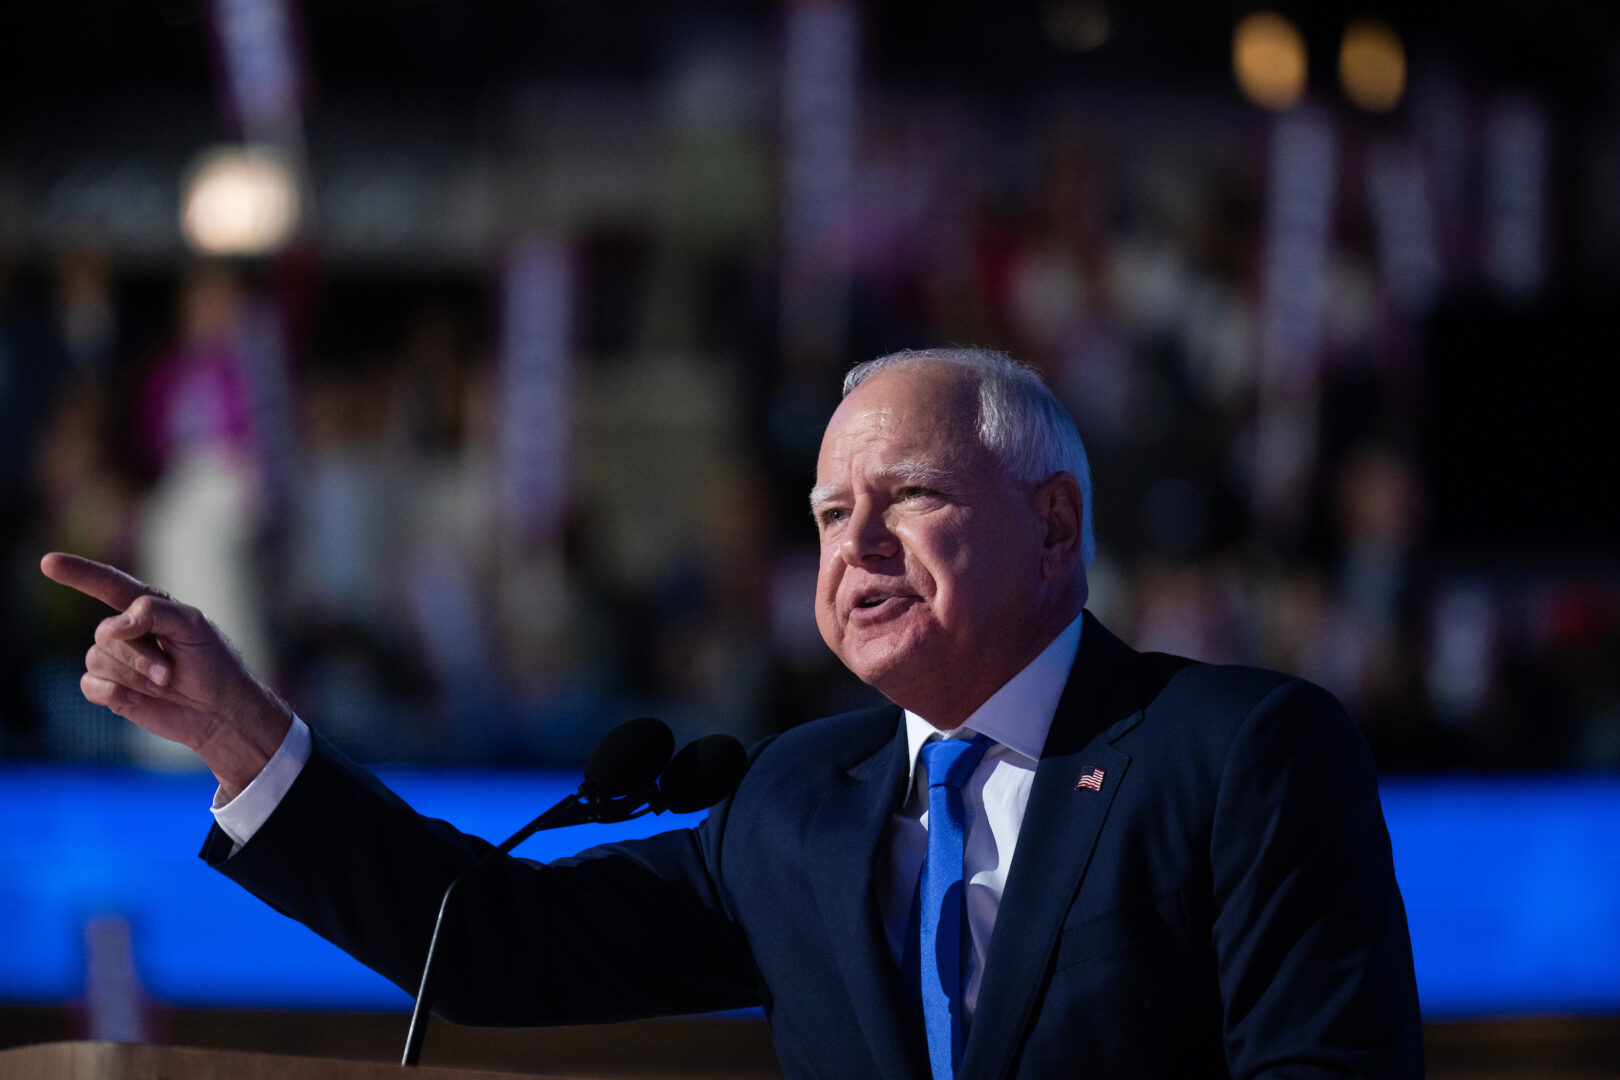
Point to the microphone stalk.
(576, 809)
(622, 781)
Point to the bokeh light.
(1372, 65)
(239, 201)
(1268, 60)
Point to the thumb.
(161, 617)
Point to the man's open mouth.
(875, 602)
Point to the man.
(1171, 869)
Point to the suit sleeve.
(1314, 957)
(622, 931)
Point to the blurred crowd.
(321, 462)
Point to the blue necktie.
(949, 763)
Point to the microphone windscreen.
(629, 758)
(704, 772)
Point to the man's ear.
(1060, 507)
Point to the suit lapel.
(1059, 833)
(849, 824)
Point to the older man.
(1052, 856)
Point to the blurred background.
(467, 364)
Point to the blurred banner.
(1512, 889)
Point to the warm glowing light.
(1268, 60)
(239, 200)
(1372, 65)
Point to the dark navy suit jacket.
(1224, 905)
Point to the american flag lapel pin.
(1092, 780)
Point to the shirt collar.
(1019, 715)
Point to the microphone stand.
(577, 809)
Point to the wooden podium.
(135, 1061)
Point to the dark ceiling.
(78, 50)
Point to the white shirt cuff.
(241, 817)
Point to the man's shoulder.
(1126, 690)
(1194, 702)
(1127, 680)
(831, 743)
(791, 774)
(1235, 685)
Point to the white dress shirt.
(1016, 717)
(242, 816)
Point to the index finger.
(108, 584)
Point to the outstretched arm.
(165, 667)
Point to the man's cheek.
(827, 624)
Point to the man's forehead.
(859, 422)
(931, 387)
(920, 404)
(893, 440)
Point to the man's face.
(930, 586)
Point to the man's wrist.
(239, 815)
(239, 747)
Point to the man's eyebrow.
(897, 472)
(919, 473)
(822, 494)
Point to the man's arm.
(629, 930)
(165, 667)
(632, 930)
(1315, 960)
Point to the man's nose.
(868, 537)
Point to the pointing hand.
(165, 667)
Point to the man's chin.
(941, 688)
(879, 674)
(903, 680)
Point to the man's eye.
(914, 491)
(833, 516)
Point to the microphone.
(627, 761)
(621, 775)
(622, 781)
(704, 772)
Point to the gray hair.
(1021, 421)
